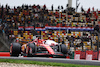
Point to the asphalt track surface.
(57, 60)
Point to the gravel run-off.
(21, 65)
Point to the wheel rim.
(11, 49)
(27, 49)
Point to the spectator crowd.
(41, 16)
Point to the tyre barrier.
(77, 55)
(87, 55)
(83, 55)
(4, 54)
(95, 55)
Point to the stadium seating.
(23, 20)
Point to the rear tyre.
(63, 49)
(31, 49)
(15, 49)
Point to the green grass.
(44, 63)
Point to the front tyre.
(15, 49)
(31, 49)
(64, 49)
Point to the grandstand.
(74, 28)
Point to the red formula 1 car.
(39, 47)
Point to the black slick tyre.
(15, 49)
(63, 49)
(31, 49)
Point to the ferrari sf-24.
(39, 47)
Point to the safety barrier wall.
(4, 54)
(87, 55)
